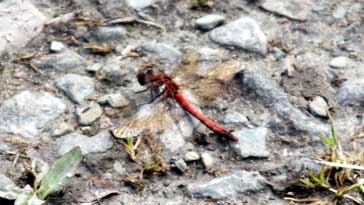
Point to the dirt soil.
(303, 73)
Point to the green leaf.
(328, 141)
(322, 174)
(307, 183)
(333, 133)
(28, 197)
(24, 197)
(39, 170)
(130, 142)
(60, 172)
(8, 189)
(317, 180)
(361, 188)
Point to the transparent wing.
(152, 117)
(212, 85)
(188, 67)
(160, 117)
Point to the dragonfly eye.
(141, 78)
(149, 71)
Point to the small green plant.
(146, 154)
(47, 180)
(338, 174)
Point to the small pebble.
(318, 106)
(339, 62)
(278, 53)
(115, 100)
(210, 21)
(207, 160)
(181, 165)
(61, 129)
(94, 68)
(118, 100)
(89, 114)
(252, 142)
(107, 176)
(340, 12)
(235, 117)
(119, 169)
(57, 47)
(139, 4)
(191, 156)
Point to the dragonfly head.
(144, 75)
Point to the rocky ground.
(67, 78)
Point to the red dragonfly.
(153, 116)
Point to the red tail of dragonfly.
(171, 89)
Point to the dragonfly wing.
(151, 117)
(213, 84)
(225, 71)
(164, 120)
(188, 67)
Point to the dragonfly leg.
(160, 96)
(142, 91)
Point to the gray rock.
(96, 144)
(191, 156)
(61, 129)
(273, 97)
(300, 165)
(321, 7)
(66, 61)
(139, 4)
(181, 165)
(207, 160)
(351, 92)
(4, 148)
(210, 21)
(252, 143)
(57, 47)
(243, 33)
(235, 117)
(109, 34)
(18, 26)
(278, 53)
(232, 185)
(163, 51)
(106, 176)
(76, 87)
(318, 106)
(119, 72)
(94, 68)
(339, 62)
(27, 113)
(115, 100)
(340, 12)
(293, 9)
(88, 115)
(119, 168)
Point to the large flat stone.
(243, 33)
(96, 144)
(20, 22)
(231, 185)
(27, 113)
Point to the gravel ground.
(270, 71)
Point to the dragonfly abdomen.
(181, 100)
